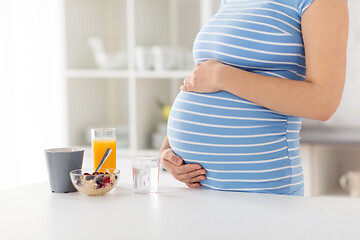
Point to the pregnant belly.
(243, 146)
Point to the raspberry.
(95, 173)
(106, 180)
(86, 173)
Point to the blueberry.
(115, 177)
(78, 182)
(100, 180)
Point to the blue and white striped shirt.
(244, 146)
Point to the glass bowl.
(94, 184)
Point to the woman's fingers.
(187, 83)
(189, 173)
(193, 185)
(183, 88)
(170, 156)
(168, 166)
(195, 179)
(192, 175)
(170, 161)
(182, 172)
(187, 168)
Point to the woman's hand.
(190, 174)
(204, 78)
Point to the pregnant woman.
(262, 66)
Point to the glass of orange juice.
(102, 139)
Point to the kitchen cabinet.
(328, 153)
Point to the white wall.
(348, 114)
(32, 97)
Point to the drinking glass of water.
(145, 174)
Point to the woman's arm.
(325, 33)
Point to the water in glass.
(145, 175)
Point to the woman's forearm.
(298, 98)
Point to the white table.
(33, 212)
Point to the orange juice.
(99, 147)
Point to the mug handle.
(344, 182)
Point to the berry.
(78, 183)
(99, 180)
(101, 173)
(95, 173)
(106, 173)
(86, 173)
(116, 177)
(106, 180)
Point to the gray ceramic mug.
(60, 161)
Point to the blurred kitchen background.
(67, 66)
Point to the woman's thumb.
(176, 160)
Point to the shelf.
(96, 73)
(100, 73)
(164, 74)
(331, 136)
